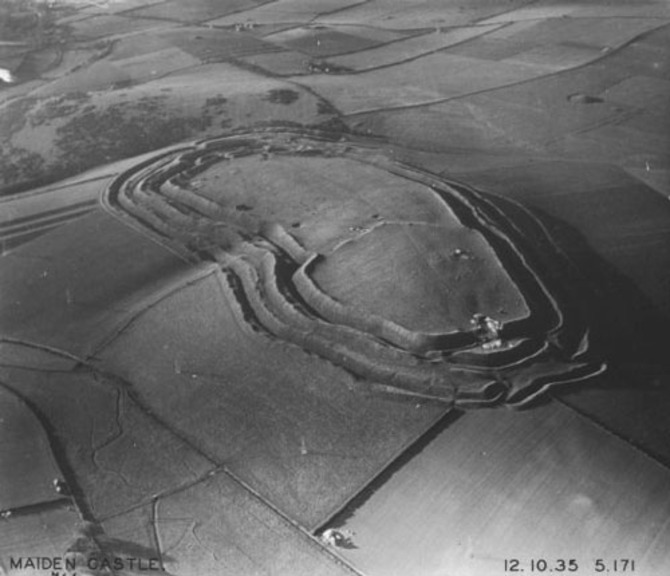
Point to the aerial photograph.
(335, 287)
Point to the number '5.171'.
(622, 566)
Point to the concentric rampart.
(268, 266)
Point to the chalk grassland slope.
(95, 94)
(57, 136)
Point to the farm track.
(266, 275)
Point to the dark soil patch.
(580, 98)
(282, 96)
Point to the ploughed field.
(419, 287)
